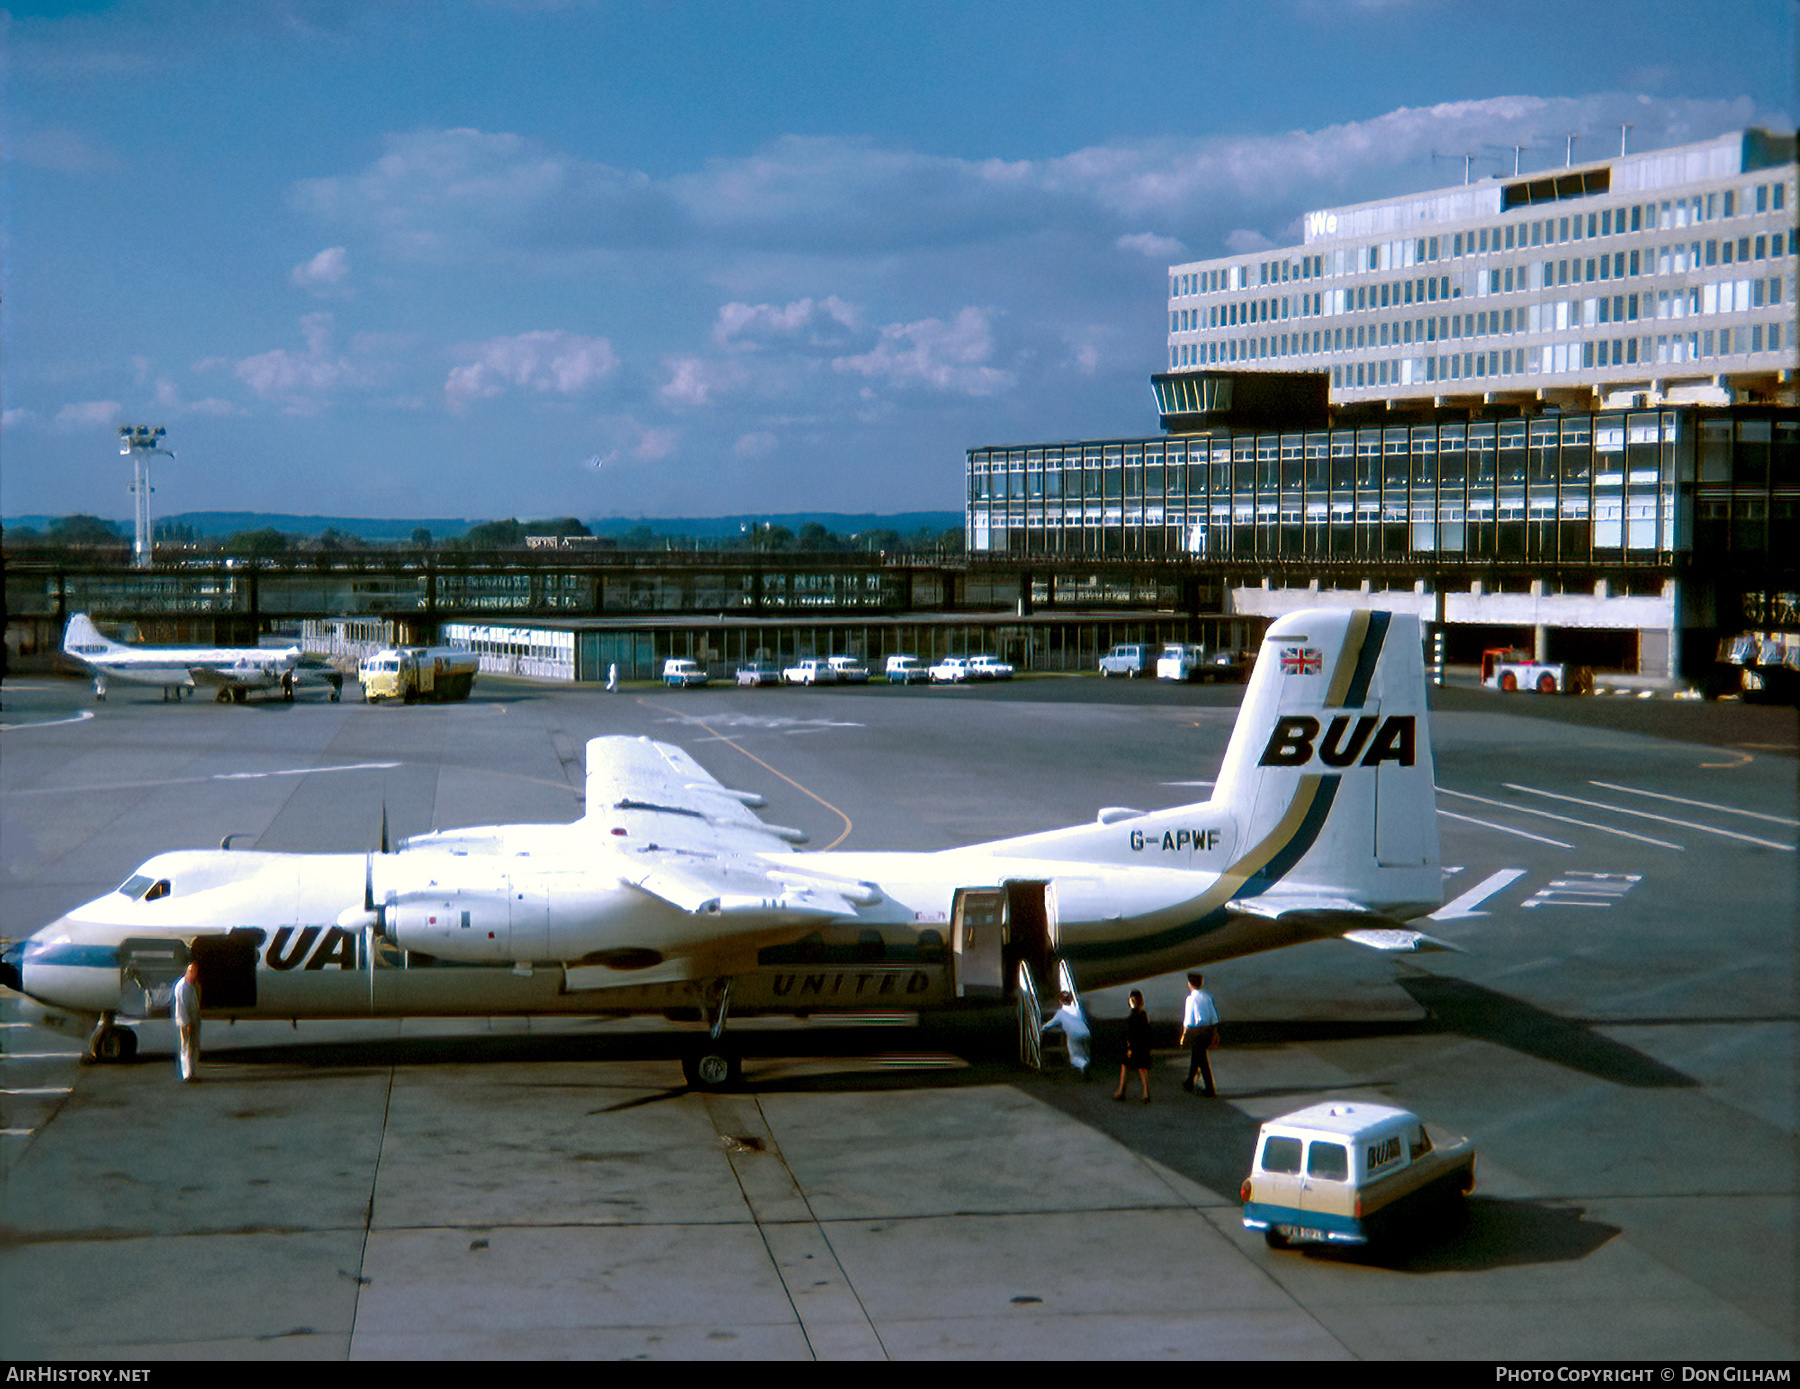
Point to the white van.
(1128, 658)
(906, 670)
(681, 674)
(1180, 662)
(1347, 1172)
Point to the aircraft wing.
(241, 675)
(657, 792)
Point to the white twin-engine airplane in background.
(234, 671)
(668, 896)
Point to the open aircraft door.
(148, 969)
(995, 930)
(227, 968)
(1005, 947)
(978, 929)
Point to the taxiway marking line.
(733, 743)
(1646, 815)
(1504, 829)
(82, 717)
(38, 1056)
(1564, 819)
(198, 780)
(1486, 888)
(1704, 805)
(41, 1090)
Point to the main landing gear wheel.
(712, 1068)
(223, 696)
(115, 1044)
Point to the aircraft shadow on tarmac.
(1455, 1007)
(1210, 1142)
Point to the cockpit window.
(136, 886)
(160, 888)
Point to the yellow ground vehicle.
(1347, 1172)
(408, 673)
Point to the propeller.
(371, 917)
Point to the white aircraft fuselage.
(1322, 823)
(230, 671)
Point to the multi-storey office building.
(1650, 278)
(1561, 411)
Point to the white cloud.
(325, 273)
(1244, 241)
(653, 444)
(300, 381)
(546, 362)
(60, 150)
(463, 194)
(87, 413)
(745, 325)
(945, 356)
(12, 419)
(754, 445)
(1151, 246)
(694, 380)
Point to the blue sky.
(545, 257)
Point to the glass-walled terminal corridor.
(1570, 488)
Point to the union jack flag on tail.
(1300, 660)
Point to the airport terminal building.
(1557, 410)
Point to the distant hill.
(219, 523)
(839, 522)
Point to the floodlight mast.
(140, 441)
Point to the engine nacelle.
(472, 925)
(531, 917)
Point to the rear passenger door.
(1325, 1187)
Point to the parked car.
(684, 673)
(952, 670)
(811, 671)
(906, 670)
(1346, 1172)
(759, 673)
(989, 668)
(850, 670)
(1128, 659)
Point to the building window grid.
(1653, 261)
(1552, 488)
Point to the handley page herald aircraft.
(669, 896)
(233, 671)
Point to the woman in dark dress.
(1137, 1048)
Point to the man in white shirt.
(1200, 1031)
(184, 1010)
(1072, 1025)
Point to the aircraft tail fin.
(83, 638)
(1328, 776)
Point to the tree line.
(93, 534)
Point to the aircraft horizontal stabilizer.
(1292, 907)
(1398, 941)
(1323, 916)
